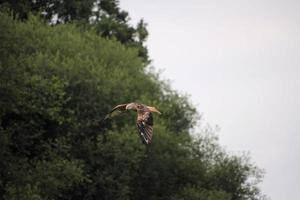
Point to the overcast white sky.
(240, 62)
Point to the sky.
(239, 60)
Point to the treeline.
(57, 81)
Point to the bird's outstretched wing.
(116, 111)
(144, 124)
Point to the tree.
(105, 16)
(57, 83)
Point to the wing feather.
(116, 111)
(144, 125)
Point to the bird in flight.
(144, 119)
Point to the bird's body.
(144, 119)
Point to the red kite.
(144, 119)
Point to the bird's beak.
(153, 109)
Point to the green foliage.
(105, 16)
(193, 193)
(57, 83)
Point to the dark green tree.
(103, 15)
(57, 83)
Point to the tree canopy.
(58, 82)
(103, 15)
